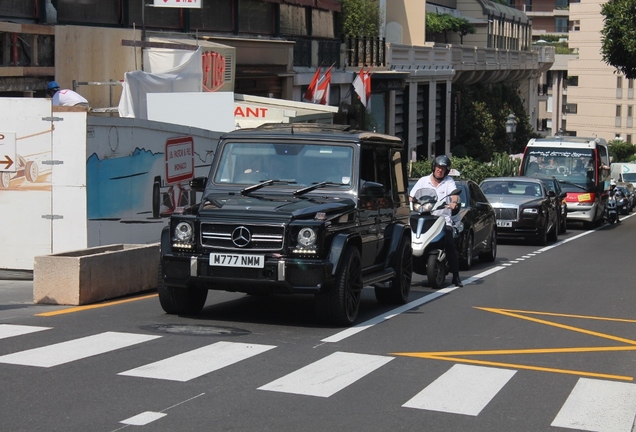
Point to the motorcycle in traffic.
(427, 238)
(611, 210)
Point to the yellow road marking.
(450, 355)
(520, 366)
(94, 306)
(563, 326)
(526, 351)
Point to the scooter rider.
(614, 192)
(443, 184)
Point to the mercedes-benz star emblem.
(241, 236)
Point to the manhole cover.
(196, 330)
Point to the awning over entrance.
(253, 111)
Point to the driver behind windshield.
(443, 184)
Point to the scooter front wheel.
(435, 272)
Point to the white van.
(624, 173)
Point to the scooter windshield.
(425, 195)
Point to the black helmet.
(442, 161)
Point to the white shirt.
(67, 97)
(443, 189)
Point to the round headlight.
(306, 237)
(183, 232)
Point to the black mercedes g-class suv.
(309, 208)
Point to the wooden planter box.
(95, 274)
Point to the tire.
(178, 300)
(339, 305)
(5, 179)
(31, 171)
(400, 288)
(466, 262)
(542, 237)
(491, 255)
(564, 224)
(435, 272)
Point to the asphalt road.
(541, 340)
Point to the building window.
(618, 110)
(629, 138)
(561, 25)
(572, 81)
(576, 25)
(571, 108)
(619, 82)
(561, 4)
(256, 17)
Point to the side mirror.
(198, 183)
(372, 189)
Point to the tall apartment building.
(603, 101)
(580, 95)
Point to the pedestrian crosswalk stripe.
(10, 330)
(329, 375)
(463, 389)
(597, 405)
(65, 352)
(193, 364)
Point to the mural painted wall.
(79, 181)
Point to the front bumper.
(282, 275)
(522, 228)
(582, 212)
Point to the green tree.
(360, 18)
(621, 151)
(437, 24)
(480, 129)
(619, 36)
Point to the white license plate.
(504, 224)
(237, 260)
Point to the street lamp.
(511, 128)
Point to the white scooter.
(427, 238)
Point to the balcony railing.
(327, 51)
(365, 51)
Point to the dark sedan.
(524, 208)
(478, 226)
(562, 207)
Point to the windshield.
(566, 165)
(631, 177)
(290, 164)
(425, 195)
(511, 187)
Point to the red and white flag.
(321, 95)
(311, 90)
(362, 86)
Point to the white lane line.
(11, 330)
(463, 389)
(198, 362)
(65, 352)
(596, 405)
(394, 312)
(387, 315)
(329, 375)
(143, 419)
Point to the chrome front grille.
(506, 213)
(262, 237)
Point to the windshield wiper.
(264, 183)
(573, 184)
(316, 186)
